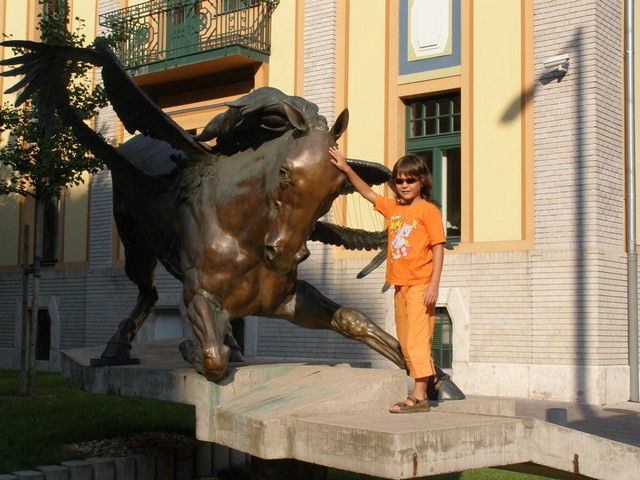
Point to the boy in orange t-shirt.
(414, 264)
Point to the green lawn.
(34, 431)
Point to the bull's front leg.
(210, 323)
(308, 308)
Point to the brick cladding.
(499, 288)
(578, 268)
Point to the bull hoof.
(442, 388)
(113, 362)
(115, 353)
(204, 365)
(236, 355)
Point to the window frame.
(435, 143)
(43, 335)
(50, 230)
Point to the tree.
(41, 156)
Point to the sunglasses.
(408, 181)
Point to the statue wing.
(371, 172)
(41, 66)
(353, 239)
(349, 238)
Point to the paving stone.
(203, 461)
(220, 458)
(6, 476)
(103, 468)
(54, 472)
(29, 475)
(286, 468)
(183, 462)
(78, 469)
(164, 464)
(237, 458)
(125, 467)
(145, 466)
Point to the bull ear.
(341, 124)
(295, 117)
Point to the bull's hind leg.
(140, 265)
(308, 308)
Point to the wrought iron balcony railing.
(164, 33)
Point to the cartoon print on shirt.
(400, 246)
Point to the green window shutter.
(442, 346)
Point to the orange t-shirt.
(413, 231)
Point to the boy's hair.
(413, 166)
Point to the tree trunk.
(24, 341)
(37, 258)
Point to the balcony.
(162, 34)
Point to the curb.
(184, 462)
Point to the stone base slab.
(336, 416)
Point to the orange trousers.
(414, 327)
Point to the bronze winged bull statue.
(230, 221)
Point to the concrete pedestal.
(305, 416)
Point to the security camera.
(558, 63)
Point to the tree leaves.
(35, 164)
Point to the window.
(55, 6)
(43, 335)
(433, 132)
(167, 323)
(442, 346)
(50, 230)
(231, 5)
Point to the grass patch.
(34, 431)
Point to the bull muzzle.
(215, 361)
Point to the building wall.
(14, 22)
(536, 288)
(497, 141)
(580, 189)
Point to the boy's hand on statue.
(431, 295)
(338, 159)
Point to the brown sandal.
(415, 406)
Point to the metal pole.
(632, 257)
